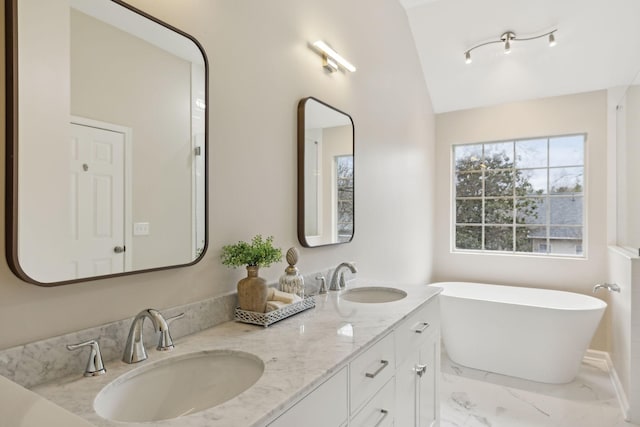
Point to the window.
(344, 180)
(520, 196)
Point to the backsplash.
(42, 361)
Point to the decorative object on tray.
(277, 299)
(291, 281)
(266, 319)
(252, 290)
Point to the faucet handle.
(323, 284)
(165, 343)
(94, 364)
(176, 317)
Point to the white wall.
(623, 230)
(260, 67)
(549, 116)
(621, 265)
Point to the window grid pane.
(520, 196)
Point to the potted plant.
(252, 290)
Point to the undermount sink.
(373, 294)
(178, 386)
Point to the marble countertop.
(299, 353)
(24, 408)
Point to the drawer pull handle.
(423, 327)
(383, 365)
(420, 370)
(384, 413)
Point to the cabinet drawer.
(371, 370)
(326, 406)
(412, 332)
(379, 411)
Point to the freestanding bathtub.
(535, 334)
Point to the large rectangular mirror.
(325, 174)
(106, 142)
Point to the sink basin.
(373, 294)
(178, 386)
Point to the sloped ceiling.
(598, 47)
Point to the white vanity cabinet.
(418, 368)
(394, 382)
(326, 406)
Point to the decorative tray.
(266, 319)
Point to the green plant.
(259, 253)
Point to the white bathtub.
(535, 334)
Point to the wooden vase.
(252, 291)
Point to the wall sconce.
(331, 60)
(507, 38)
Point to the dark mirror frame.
(302, 238)
(12, 148)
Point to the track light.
(507, 38)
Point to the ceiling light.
(507, 38)
(331, 59)
(507, 47)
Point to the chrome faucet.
(611, 287)
(337, 279)
(134, 349)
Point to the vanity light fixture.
(507, 38)
(331, 60)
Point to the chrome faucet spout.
(611, 287)
(134, 350)
(337, 278)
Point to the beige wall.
(44, 39)
(260, 67)
(106, 66)
(579, 113)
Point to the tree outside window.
(521, 196)
(344, 180)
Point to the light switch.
(141, 229)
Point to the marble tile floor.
(473, 398)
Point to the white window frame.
(547, 224)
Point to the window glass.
(566, 150)
(344, 189)
(531, 153)
(521, 196)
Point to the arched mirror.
(106, 142)
(325, 174)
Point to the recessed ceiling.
(598, 47)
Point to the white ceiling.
(598, 48)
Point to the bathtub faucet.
(611, 287)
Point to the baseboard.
(603, 357)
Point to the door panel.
(97, 200)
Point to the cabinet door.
(326, 406)
(407, 390)
(417, 403)
(428, 412)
